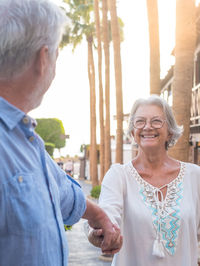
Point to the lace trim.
(165, 213)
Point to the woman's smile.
(149, 136)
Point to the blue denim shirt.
(36, 196)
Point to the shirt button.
(25, 120)
(20, 179)
(31, 139)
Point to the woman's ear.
(169, 136)
(134, 143)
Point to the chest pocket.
(26, 205)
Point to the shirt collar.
(10, 114)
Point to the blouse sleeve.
(195, 179)
(112, 193)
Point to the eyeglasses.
(140, 122)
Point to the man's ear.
(42, 60)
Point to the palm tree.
(183, 72)
(152, 11)
(101, 101)
(80, 15)
(93, 143)
(106, 40)
(118, 79)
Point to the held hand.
(113, 245)
(96, 237)
(105, 235)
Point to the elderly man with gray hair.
(36, 197)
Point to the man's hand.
(105, 235)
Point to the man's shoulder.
(3, 128)
(4, 137)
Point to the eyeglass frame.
(145, 120)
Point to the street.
(81, 252)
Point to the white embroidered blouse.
(155, 233)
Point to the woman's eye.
(157, 121)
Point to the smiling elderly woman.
(154, 198)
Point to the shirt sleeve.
(112, 193)
(71, 197)
(73, 203)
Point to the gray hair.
(173, 128)
(26, 26)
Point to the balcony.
(195, 109)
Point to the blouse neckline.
(174, 181)
(165, 213)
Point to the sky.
(68, 97)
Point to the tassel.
(158, 249)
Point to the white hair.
(175, 130)
(26, 26)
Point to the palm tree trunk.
(183, 72)
(118, 79)
(107, 85)
(93, 144)
(101, 102)
(152, 11)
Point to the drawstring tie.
(158, 248)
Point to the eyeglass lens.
(140, 122)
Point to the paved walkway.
(81, 252)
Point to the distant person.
(154, 198)
(36, 198)
(69, 166)
(60, 164)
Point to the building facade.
(166, 93)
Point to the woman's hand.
(95, 236)
(106, 235)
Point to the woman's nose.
(147, 124)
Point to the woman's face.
(151, 132)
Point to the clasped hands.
(102, 232)
(108, 239)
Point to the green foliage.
(65, 40)
(80, 13)
(67, 227)
(121, 29)
(95, 192)
(50, 148)
(51, 130)
(87, 151)
(84, 147)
